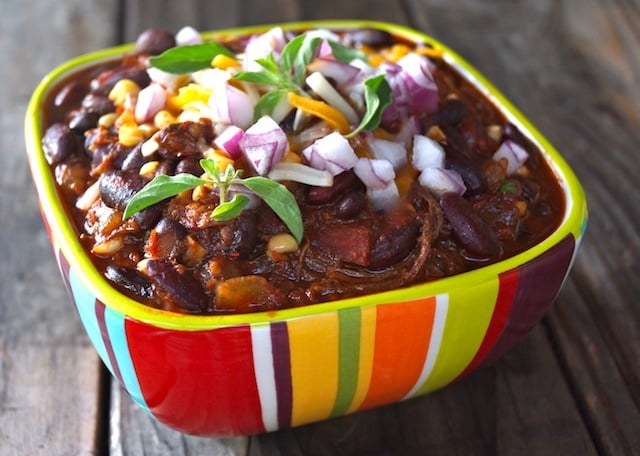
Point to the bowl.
(244, 374)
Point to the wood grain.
(573, 386)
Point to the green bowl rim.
(65, 235)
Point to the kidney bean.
(350, 205)
(129, 280)
(148, 217)
(472, 176)
(134, 159)
(323, 195)
(176, 140)
(395, 243)
(82, 120)
(372, 37)
(450, 112)
(176, 286)
(189, 165)
(168, 235)
(118, 187)
(105, 81)
(475, 235)
(99, 104)
(154, 41)
(530, 189)
(239, 237)
(167, 167)
(70, 95)
(60, 142)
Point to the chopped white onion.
(231, 106)
(384, 198)
(151, 99)
(374, 173)
(427, 153)
(332, 153)
(169, 81)
(513, 153)
(211, 77)
(301, 173)
(229, 141)
(392, 151)
(264, 144)
(440, 181)
(328, 93)
(340, 72)
(187, 35)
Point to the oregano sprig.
(274, 194)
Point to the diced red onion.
(513, 153)
(260, 46)
(229, 141)
(169, 81)
(374, 173)
(384, 198)
(187, 35)
(391, 151)
(332, 153)
(231, 106)
(427, 153)
(440, 181)
(408, 129)
(264, 144)
(301, 173)
(340, 72)
(150, 100)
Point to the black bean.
(341, 182)
(350, 205)
(189, 165)
(475, 235)
(512, 132)
(60, 142)
(372, 37)
(104, 82)
(154, 41)
(148, 217)
(129, 280)
(118, 187)
(176, 285)
(69, 96)
(394, 245)
(239, 237)
(134, 159)
(82, 120)
(99, 104)
(450, 112)
(166, 167)
(472, 176)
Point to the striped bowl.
(247, 374)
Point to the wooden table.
(572, 386)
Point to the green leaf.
(211, 168)
(377, 96)
(280, 200)
(258, 77)
(161, 188)
(508, 187)
(290, 52)
(231, 209)
(305, 55)
(269, 63)
(268, 102)
(189, 58)
(346, 54)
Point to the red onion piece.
(264, 144)
(427, 153)
(254, 200)
(151, 99)
(187, 35)
(229, 141)
(513, 153)
(167, 80)
(440, 181)
(391, 151)
(375, 173)
(260, 46)
(385, 197)
(332, 153)
(231, 106)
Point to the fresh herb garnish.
(508, 187)
(377, 96)
(274, 194)
(189, 58)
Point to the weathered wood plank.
(49, 373)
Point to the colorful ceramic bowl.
(247, 374)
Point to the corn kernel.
(224, 62)
(436, 133)
(149, 147)
(429, 52)
(291, 157)
(200, 192)
(126, 117)
(522, 208)
(163, 119)
(149, 169)
(281, 243)
(187, 94)
(122, 89)
(107, 120)
(147, 129)
(221, 159)
(397, 51)
(129, 135)
(494, 132)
